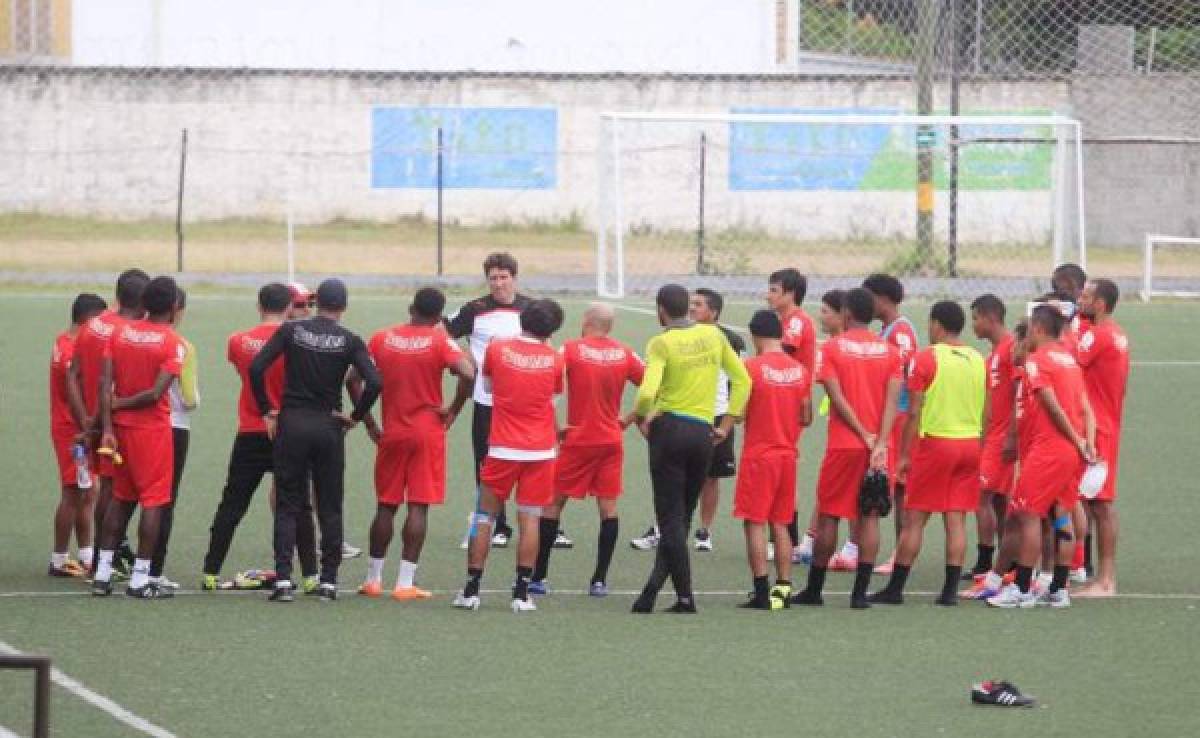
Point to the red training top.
(411, 360)
(863, 364)
(1103, 352)
(779, 387)
(240, 351)
(61, 419)
(525, 375)
(139, 351)
(1050, 366)
(597, 368)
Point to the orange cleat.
(371, 589)
(404, 594)
(887, 566)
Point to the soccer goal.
(726, 198)
(1170, 267)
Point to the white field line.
(98, 701)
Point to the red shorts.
(584, 470)
(534, 480)
(839, 480)
(995, 474)
(149, 459)
(944, 476)
(411, 469)
(1108, 447)
(64, 442)
(766, 489)
(1047, 478)
(103, 464)
(894, 448)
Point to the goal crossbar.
(1152, 240)
(847, 119)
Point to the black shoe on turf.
(149, 591)
(644, 604)
(1001, 694)
(886, 597)
(101, 588)
(756, 603)
(947, 599)
(682, 608)
(860, 603)
(811, 599)
(327, 592)
(283, 592)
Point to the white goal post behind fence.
(726, 198)
(1152, 288)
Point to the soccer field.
(220, 664)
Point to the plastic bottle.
(83, 475)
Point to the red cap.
(300, 293)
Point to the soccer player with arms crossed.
(591, 451)
(410, 462)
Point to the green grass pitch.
(231, 664)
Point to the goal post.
(1159, 282)
(724, 198)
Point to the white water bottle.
(83, 475)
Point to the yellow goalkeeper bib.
(953, 405)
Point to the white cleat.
(165, 583)
(1058, 600)
(802, 555)
(500, 540)
(519, 606)
(1011, 597)
(1079, 576)
(647, 542)
(350, 552)
(704, 540)
(462, 602)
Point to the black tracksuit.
(309, 440)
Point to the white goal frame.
(610, 137)
(1148, 291)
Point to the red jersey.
(799, 338)
(60, 360)
(411, 360)
(597, 368)
(525, 376)
(1103, 352)
(139, 351)
(240, 351)
(91, 346)
(779, 387)
(1050, 366)
(1001, 384)
(863, 364)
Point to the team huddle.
(1027, 439)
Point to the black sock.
(816, 579)
(794, 529)
(862, 579)
(1087, 553)
(1024, 578)
(472, 587)
(1060, 578)
(984, 562)
(547, 530)
(761, 588)
(606, 542)
(520, 589)
(783, 582)
(899, 578)
(950, 585)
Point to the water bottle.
(83, 476)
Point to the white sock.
(408, 574)
(58, 560)
(850, 550)
(141, 573)
(85, 555)
(374, 570)
(1044, 579)
(104, 568)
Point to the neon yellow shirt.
(681, 373)
(954, 399)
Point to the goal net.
(725, 199)
(1170, 267)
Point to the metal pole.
(952, 226)
(179, 204)
(291, 243)
(978, 35)
(439, 201)
(701, 268)
(41, 700)
(927, 33)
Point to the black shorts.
(723, 464)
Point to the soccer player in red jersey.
(1056, 436)
(779, 406)
(524, 374)
(410, 462)
(74, 512)
(142, 360)
(785, 295)
(1103, 352)
(947, 385)
(87, 365)
(862, 374)
(591, 452)
(996, 472)
(899, 331)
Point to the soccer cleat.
(647, 542)
(67, 571)
(350, 552)
(167, 583)
(210, 583)
(758, 603)
(781, 597)
(810, 599)
(682, 608)
(980, 590)
(1079, 576)
(838, 562)
(539, 587)
(886, 596)
(500, 539)
(644, 604)
(947, 599)
(887, 566)
(598, 589)
(371, 589)
(149, 591)
(327, 592)
(282, 592)
(802, 555)
(1059, 599)
(703, 540)
(310, 585)
(101, 588)
(1011, 597)
(406, 594)
(860, 603)
(523, 605)
(562, 541)
(463, 602)
(1001, 694)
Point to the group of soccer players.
(940, 430)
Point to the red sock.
(1077, 557)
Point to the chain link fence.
(157, 150)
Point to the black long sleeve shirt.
(319, 351)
